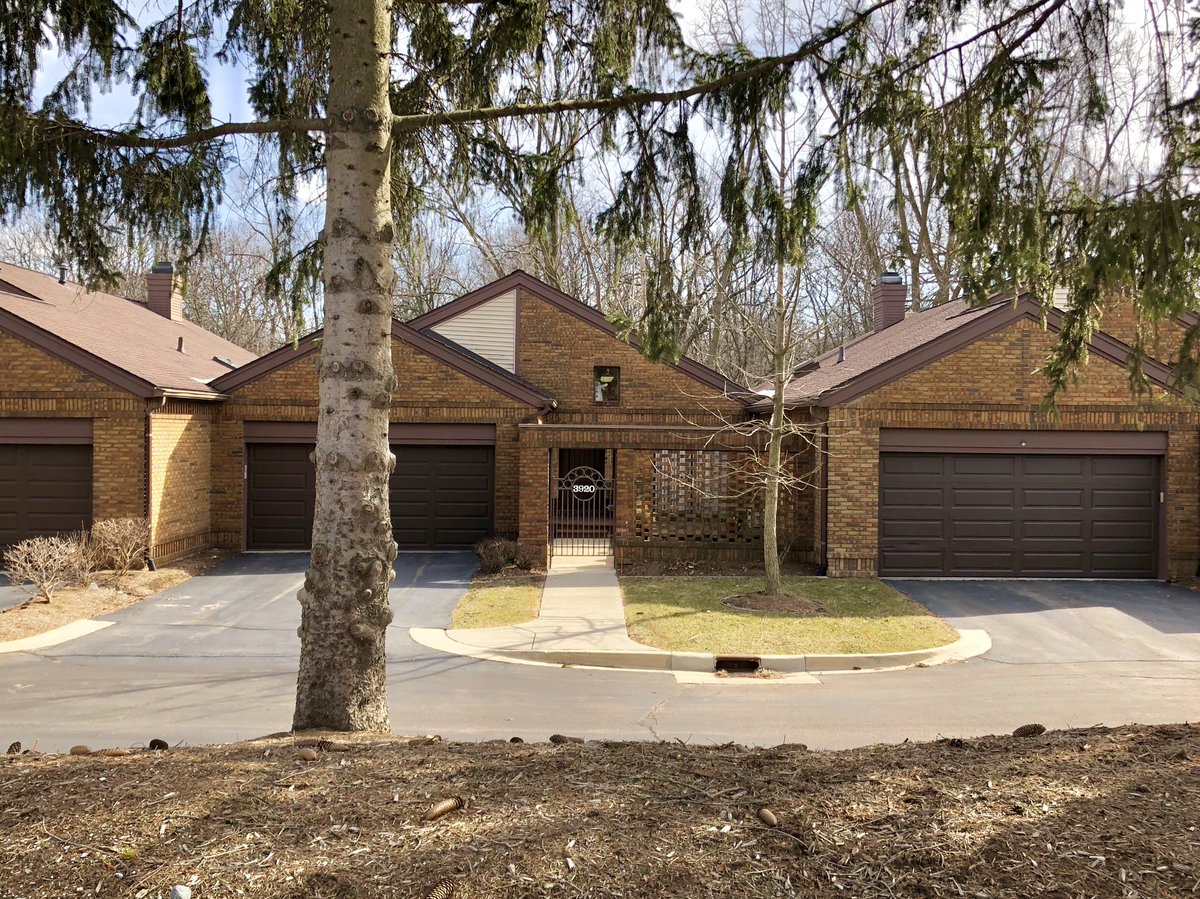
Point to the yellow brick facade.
(180, 478)
(991, 385)
(39, 385)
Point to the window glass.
(607, 385)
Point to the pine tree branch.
(53, 127)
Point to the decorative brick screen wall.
(704, 496)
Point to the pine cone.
(443, 808)
(444, 889)
(1029, 730)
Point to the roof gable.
(437, 318)
(440, 348)
(879, 358)
(118, 340)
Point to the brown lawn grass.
(500, 600)
(686, 614)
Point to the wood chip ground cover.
(1088, 813)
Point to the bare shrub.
(122, 544)
(44, 565)
(526, 558)
(495, 554)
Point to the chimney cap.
(163, 267)
(890, 277)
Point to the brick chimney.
(162, 291)
(889, 297)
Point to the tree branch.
(53, 126)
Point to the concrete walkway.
(581, 612)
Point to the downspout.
(823, 569)
(150, 408)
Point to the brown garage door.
(44, 489)
(982, 515)
(280, 491)
(441, 496)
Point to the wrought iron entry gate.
(581, 514)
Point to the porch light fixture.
(607, 385)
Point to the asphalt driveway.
(10, 595)
(1070, 622)
(214, 659)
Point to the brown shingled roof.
(117, 339)
(882, 356)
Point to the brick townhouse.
(939, 458)
(105, 409)
(518, 411)
(923, 445)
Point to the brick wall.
(1162, 339)
(180, 479)
(558, 352)
(428, 392)
(990, 385)
(39, 385)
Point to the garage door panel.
(1117, 564)
(45, 489)
(1014, 515)
(1123, 530)
(1127, 466)
(981, 465)
(1052, 499)
(982, 562)
(1051, 466)
(901, 528)
(909, 498)
(1052, 529)
(913, 563)
(912, 464)
(984, 528)
(992, 498)
(1114, 499)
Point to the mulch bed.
(661, 568)
(783, 603)
(1083, 813)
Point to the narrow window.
(607, 385)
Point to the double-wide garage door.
(441, 496)
(44, 489)
(997, 515)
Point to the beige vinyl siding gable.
(489, 329)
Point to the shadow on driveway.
(1069, 621)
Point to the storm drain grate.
(737, 664)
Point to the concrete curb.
(58, 635)
(970, 643)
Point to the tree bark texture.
(342, 680)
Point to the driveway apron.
(1069, 622)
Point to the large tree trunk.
(342, 681)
